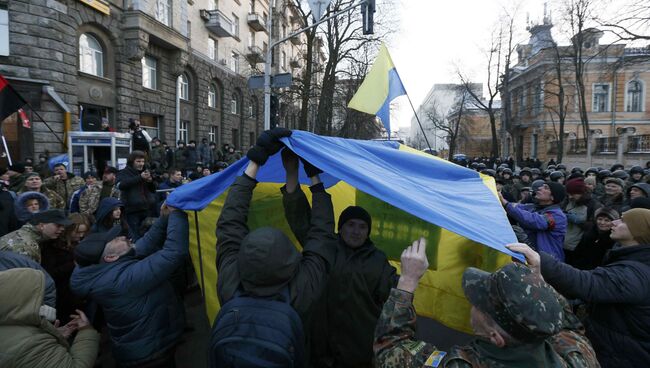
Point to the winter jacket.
(618, 294)
(58, 260)
(134, 191)
(180, 158)
(308, 280)
(19, 206)
(9, 260)
(140, 141)
(54, 199)
(205, 154)
(191, 158)
(144, 315)
(64, 188)
(74, 200)
(576, 215)
(89, 199)
(545, 227)
(162, 196)
(106, 207)
(28, 340)
(158, 162)
(616, 202)
(25, 241)
(8, 219)
(591, 250)
(345, 317)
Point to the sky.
(437, 35)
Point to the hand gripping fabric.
(257, 332)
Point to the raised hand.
(414, 265)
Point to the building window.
(601, 97)
(538, 102)
(183, 87)
(212, 134)
(212, 96)
(91, 55)
(189, 29)
(284, 60)
(234, 62)
(251, 6)
(163, 12)
(251, 39)
(149, 70)
(183, 130)
(235, 138)
(634, 96)
(212, 48)
(250, 110)
(235, 25)
(233, 105)
(150, 123)
(213, 5)
(522, 103)
(4, 32)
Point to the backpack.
(257, 332)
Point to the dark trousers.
(134, 220)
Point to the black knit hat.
(90, 250)
(557, 190)
(355, 212)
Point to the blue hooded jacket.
(144, 314)
(19, 206)
(105, 208)
(545, 226)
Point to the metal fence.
(639, 143)
(577, 146)
(606, 145)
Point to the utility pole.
(272, 44)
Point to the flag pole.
(44, 122)
(420, 124)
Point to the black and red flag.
(10, 100)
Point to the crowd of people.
(84, 255)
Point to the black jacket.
(135, 192)
(344, 319)
(618, 293)
(310, 275)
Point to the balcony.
(607, 145)
(255, 55)
(639, 144)
(295, 63)
(577, 146)
(256, 22)
(217, 23)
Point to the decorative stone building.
(180, 66)
(616, 79)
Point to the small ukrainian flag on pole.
(381, 86)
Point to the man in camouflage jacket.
(64, 183)
(43, 226)
(518, 320)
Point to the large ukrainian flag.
(408, 194)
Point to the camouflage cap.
(518, 300)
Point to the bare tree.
(555, 94)
(450, 123)
(499, 57)
(631, 23)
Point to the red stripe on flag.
(3, 82)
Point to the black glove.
(310, 169)
(269, 140)
(258, 155)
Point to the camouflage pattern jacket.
(89, 198)
(23, 241)
(64, 188)
(395, 345)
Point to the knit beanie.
(557, 190)
(616, 181)
(355, 212)
(576, 186)
(607, 211)
(638, 221)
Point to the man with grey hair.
(131, 284)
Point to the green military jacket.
(395, 345)
(23, 241)
(64, 188)
(89, 198)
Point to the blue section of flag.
(437, 191)
(395, 89)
